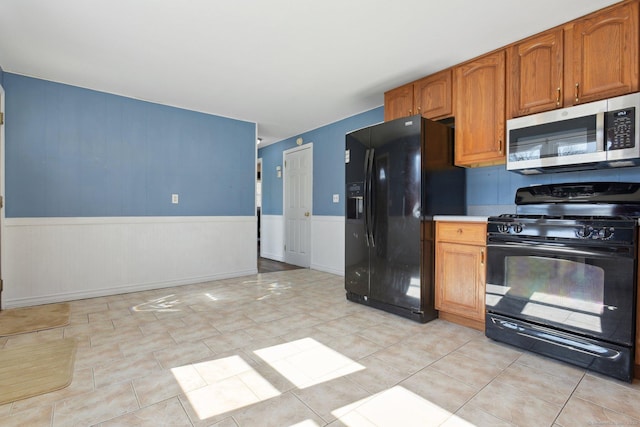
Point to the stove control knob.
(606, 233)
(584, 232)
(517, 228)
(503, 228)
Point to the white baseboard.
(59, 259)
(327, 269)
(76, 295)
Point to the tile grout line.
(485, 386)
(555, 420)
(308, 407)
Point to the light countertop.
(460, 218)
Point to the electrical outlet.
(336, 198)
(174, 199)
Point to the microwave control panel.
(620, 129)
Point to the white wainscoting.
(327, 241)
(327, 244)
(272, 237)
(60, 259)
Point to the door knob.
(306, 214)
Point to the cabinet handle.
(500, 147)
(577, 92)
(558, 98)
(411, 112)
(419, 110)
(482, 257)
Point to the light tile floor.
(287, 349)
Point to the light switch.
(336, 198)
(174, 199)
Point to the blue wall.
(73, 152)
(496, 186)
(328, 164)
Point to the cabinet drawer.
(462, 232)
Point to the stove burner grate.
(568, 217)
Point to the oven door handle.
(571, 343)
(574, 344)
(559, 250)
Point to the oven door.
(586, 288)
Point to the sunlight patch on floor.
(306, 362)
(166, 303)
(215, 387)
(393, 407)
(305, 423)
(211, 297)
(230, 384)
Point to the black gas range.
(562, 272)
(601, 211)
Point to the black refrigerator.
(399, 174)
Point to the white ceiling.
(288, 65)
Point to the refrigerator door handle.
(370, 197)
(366, 196)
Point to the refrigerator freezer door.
(396, 213)
(356, 240)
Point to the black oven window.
(564, 291)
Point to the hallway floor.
(266, 265)
(287, 349)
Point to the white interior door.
(298, 187)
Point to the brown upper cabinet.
(479, 91)
(592, 58)
(398, 102)
(602, 55)
(432, 95)
(534, 76)
(429, 97)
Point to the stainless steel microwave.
(600, 134)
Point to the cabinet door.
(398, 102)
(602, 54)
(480, 111)
(432, 95)
(460, 280)
(534, 76)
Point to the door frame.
(307, 146)
(258, 196)
(2, 191)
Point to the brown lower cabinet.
(460, 272)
